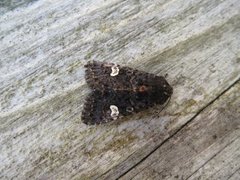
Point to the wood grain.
(43, 48)
(207, 148)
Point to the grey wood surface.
(207, 148)
(43, 47)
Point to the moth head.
(159, 84)
(114, 111)
(167, 89)
(115, 70)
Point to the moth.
(120, 91)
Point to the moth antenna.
(165, 104)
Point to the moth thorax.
(114, 112)
(115, 70)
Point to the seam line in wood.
(188, 122)
(213, 157)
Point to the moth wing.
(105, 106)
(101, 107)
(108, 76)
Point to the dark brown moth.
(120, 91)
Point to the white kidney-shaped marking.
(114, 112)
(115, 70)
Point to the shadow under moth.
(120, 91)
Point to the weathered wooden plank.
(235, 176)
(223, 165)
(207, 148)
(43, 48)
(9, 5)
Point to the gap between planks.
(167, 139)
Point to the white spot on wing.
(114, 112)
(115, 70)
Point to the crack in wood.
(175, 133)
